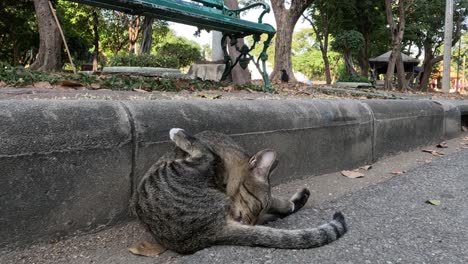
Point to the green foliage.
(207, 51)
(19, 39)
(307, 57)
(76, 21)
(172, 52)
(184, 50)
(144, 60)
(259, 47)
(19, 76)
(350, 40)
(344, 76)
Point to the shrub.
(344, 76)
(185, 51)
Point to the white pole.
(447, 45)
(216, 50)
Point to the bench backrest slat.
(211, 3)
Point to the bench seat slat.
(181, 12)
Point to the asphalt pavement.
(389, 222)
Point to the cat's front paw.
(300, 199)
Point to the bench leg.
(245, 57)
(264, 58)
(227, 58)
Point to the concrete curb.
(70, 166)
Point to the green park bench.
(208, 15)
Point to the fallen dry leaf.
(210, 96)
(147, 249)
(464, 129)
(68, 83)
(45, 85)
(367, 167)
(229, 88)
(396, 172)
(352, 174)
(95, 86)
(442, 145)
(433, 202)
(433, 152)
(140, 90)
(3, 84)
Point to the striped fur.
(209, 191)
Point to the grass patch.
(20, 77)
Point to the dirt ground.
(282, 91)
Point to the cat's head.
(253, 195)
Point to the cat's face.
(253, 195)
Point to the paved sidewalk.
(390, 222)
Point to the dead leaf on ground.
(229, 88)
(72, 84)
(433, 152)
(147, 249)
(352, 174)
(442, 145)
(367, 167)
(3, 84)
(140, 90)
(95, 86)
(433, 202)
(397, 172)
(210, 96)
(464, 129)
(45, 85)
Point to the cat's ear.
(262, 162)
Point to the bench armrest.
(237, 12)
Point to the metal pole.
(447, 45)
(463, 73)
(458, 66)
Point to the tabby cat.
(207, 193)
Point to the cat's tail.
(245, 235)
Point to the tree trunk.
(49, 57)
(133, 32)
(96, 40)
(363, 55)
(401, 73)
(397, 31)
(286, 20)
(326, 63)
(349, 63)
(147, 35)
(390, 69)
(323, 40)
(427, 65)
(283, 46)
(16, 52)
(239, 76)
